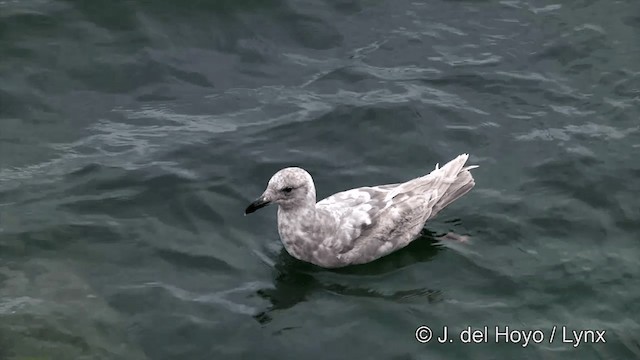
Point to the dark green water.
(134, 133)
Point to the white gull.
(359, 225)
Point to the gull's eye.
(287, 189)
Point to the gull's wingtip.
(470, 167)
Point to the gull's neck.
(304, 210)
(303, 221)
(305, 230)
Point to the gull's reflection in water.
(296, 280)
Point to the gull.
(360, 225)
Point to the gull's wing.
(375, 224)
(367, 211)
(356, 197)
(445, 183)
(384, 218)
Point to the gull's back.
(375, 221)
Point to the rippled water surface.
(134, 133)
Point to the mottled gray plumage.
(359, 225)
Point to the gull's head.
(289, 188)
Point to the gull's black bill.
(259, 203)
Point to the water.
(134, 133)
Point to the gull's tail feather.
(446, 184)
(457, 181)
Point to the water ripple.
(590, 129)
(217, 298)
